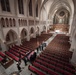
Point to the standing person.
(19, 61)
(42, 46)
(37, 49)
(18, 66)
(19, 57)
(25, 61)
(34, 55)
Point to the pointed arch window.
(30, 8)
(5, 5)
(37, 10)
(20, 6)
(3, 22)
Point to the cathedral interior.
(37, 37)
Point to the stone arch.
(7, 22)
(14, 22)
(31, 30)
(3, 22)
(19, 22)
(10, 21)
(11, 37)
(23, 22)
(23, 34)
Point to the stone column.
(73, 44)
(34, 28)
(28, 35)
(70, 27)
(2, 40)
(19, 37)
(3, 46)
(73, 60)
(27, 16)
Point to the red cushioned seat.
(22, 53)
(1, 59)
(36, 70)
(44, 69)
(12, 56)
(71, 70)
(2, 54)
(16, 54)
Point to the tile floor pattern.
(25, 70)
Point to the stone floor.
(25, 70)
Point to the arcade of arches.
(29, 23)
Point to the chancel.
(37, 37)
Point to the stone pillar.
(39, 33)
(28, 35)
(71, 19)
(34, 35)
(19, 37)
(27, 16)
(73, 60)
(19, 41)
(73, 44)
(2, 40)
(34, 29)
(46, 29)
(4, 47)
(71, 47)
(17, 24)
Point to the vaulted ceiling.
(50, 7)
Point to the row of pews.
(16, 52)
(55, 59)
(2, 55)
(5, 60)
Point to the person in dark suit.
(31, 58)
(37, 49)
(34, 55)
(18, 66)
(25, 61)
